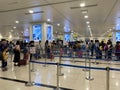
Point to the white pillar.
(44, 27)
(114, 37)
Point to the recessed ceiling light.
(86, 16)
(31, 11)
(11, 30)
(16, 21)
(88, 22)
(89, 26)
(82, 5)
(48, 20)
(14, 27)
(58, 24)
(110, 29)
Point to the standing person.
(97, 49)
(16, 53)
(4, 61)
(31, 44)
(92, 45)
(3, 45)
(117, 50)
(46, 46)
(110, 48)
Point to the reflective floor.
(45, 77)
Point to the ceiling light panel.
(31, 11)
(86, 16)
(82, 4)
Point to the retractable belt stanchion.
(33, 67)
(107, 78)
(60, 73)
(89, 77)
(29, 83)
(86, 57)
(73, 57)
(45, 60)
(57, 88)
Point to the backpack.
(83, 47)
(106, 47)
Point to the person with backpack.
(5, 57)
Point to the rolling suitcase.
(80, 54)
(22, 62)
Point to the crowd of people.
(95, 49)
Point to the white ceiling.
(102, 17)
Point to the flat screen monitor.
(117, 36)
(67, 37)
(37, 32)
(49, 32)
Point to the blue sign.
(67, 37)
(37, 32)
(49, 33)
(117, 36)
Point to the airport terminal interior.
(59, 44)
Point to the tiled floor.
(46, 78)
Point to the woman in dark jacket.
(16, 53)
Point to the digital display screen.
(26, 40)
(67, 37)
(117, 36)
(37, 32)
(49, 33)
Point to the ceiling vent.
(34, 12)
(84, 6)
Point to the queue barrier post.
(60, 73)
(73, 57)
(86, 57)
(45, 60)
(89, 77)
(29, 83)
(107, 78)
(57, 88)
(33, 67)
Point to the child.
(4, 61)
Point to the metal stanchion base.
(29, 84)
(86, 69)
(89, 78)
